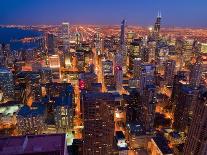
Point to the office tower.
(80, 55)
(187, 50)
(196, 138)
(98, 119)
(31, 120)
(149, 103)
(54, 62)
(158, 24)
(118, 75)
(137, 67)
(185, 104)
(144, 54)
(63, 110)
(6, 83)
(54, 144)
(134, 51)
(179, 80)
(68, 60)
(162, 54)
(51, 43)
(130, 37)
(134, 106)
(33, 87)
(123, 49)
(169, 72)
(195, 73)
(122, 35)
(107, 67)
(147, 76)
(65, 36)
(118, 72)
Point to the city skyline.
(175, 13)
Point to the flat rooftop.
(162, 144)
(33, 144)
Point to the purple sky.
(187, 13)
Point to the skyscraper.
(118, 71)
(98, 118)
(137, 67)
(65, 36)
(54, 62)
(169, 72)
(196, 143)
(6, 83)
(158, 23)
(149, 101)
(195, 73)
(147, 76)
(123, 49)
(51, 43)
(186, 100)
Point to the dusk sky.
(187, 13)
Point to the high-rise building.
(185, 103)
(123, 49)
(144, 54)
(63, 111)
(118, 71)
(137, 67)
(195, 73)
(118, 75)
(107, 67)
(98, 119)
(147, 76)
(134, 106)
(196, 143)
(31, 120)
(54, 62)
(51, 43)
(158, 23)
(169, 72)
(149, 103)
(6, 83)
(65, 36)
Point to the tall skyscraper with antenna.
(158, 23)
(122, 35)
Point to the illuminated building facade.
(169, 72)
(54, 62)
(6, 83)
(185, 102)
(63, 109)
(65, 36)
(98, 119)
(31, 120)
(195, 74)
(51, 43)
(196, 143)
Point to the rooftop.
(63, 101)
(33, 144)
(136, 128)
(162, 144)
(37, 109)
